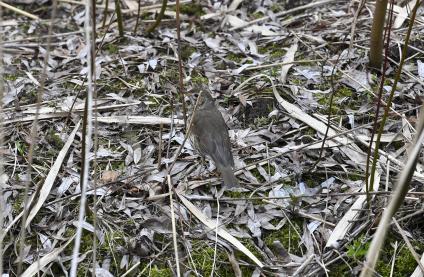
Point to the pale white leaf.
(51, 176)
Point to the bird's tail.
(229, 178)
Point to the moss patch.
(111, 48)
(203, 256)
(191, 9)
(288, 237)
(356, 252)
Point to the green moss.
(160, 272)
(323, 86)
(274, 50)
(111, 85)
(261, 121)
(343, 95)
(113, 239)
(274, 72)
(257, 15)
(324, 100)
(248, 243)
(288, 237)
(111, 48)
(270, 169)
(339, 270)
(344, 91)
(191, 9)
(355, 176)
(186, 52)
(137, 80)
(171, 74)
(235, 194)
(404, 264)
(258, 176)
(275, 8)
(310, 182)
(203, 256)
(357, 250)
(387, 82)
(18, 204)
(29, 98)
(297, 81)
(238, 58)
(310, 131)
(69, 85)
(54, 139)
(405, 261)
(51, 153)
(199, 79)
(277, 53)
(10, 77)
(108, 249)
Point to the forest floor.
(277, 69)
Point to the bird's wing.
(215, 132)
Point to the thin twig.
(228, 199)
(33, 136)
(369, 186)
(180, 65)
(86, 140)
(174, 228)
(2, 160)
(96, 137)
(216, 237)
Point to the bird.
(209, 136)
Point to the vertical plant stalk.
(93, 74)
(171, 192)
(87, 131)
(180, 64)
(158, 18)
(138, 17)
(376, 40)
(369, 186)
(330, 107)
(105, 13)
(406, 174)
(173, 224)
(119, 18)
(392, 92)
(2, 180)
(80, 86)
(355, 20)
(395, 201)
(33, 136)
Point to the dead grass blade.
(19, 11)
(51, 177)
(221, 232)
(45, 260)
(348, 220)
(147, 120)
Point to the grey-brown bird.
(210, 137)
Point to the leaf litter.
(268, 64)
